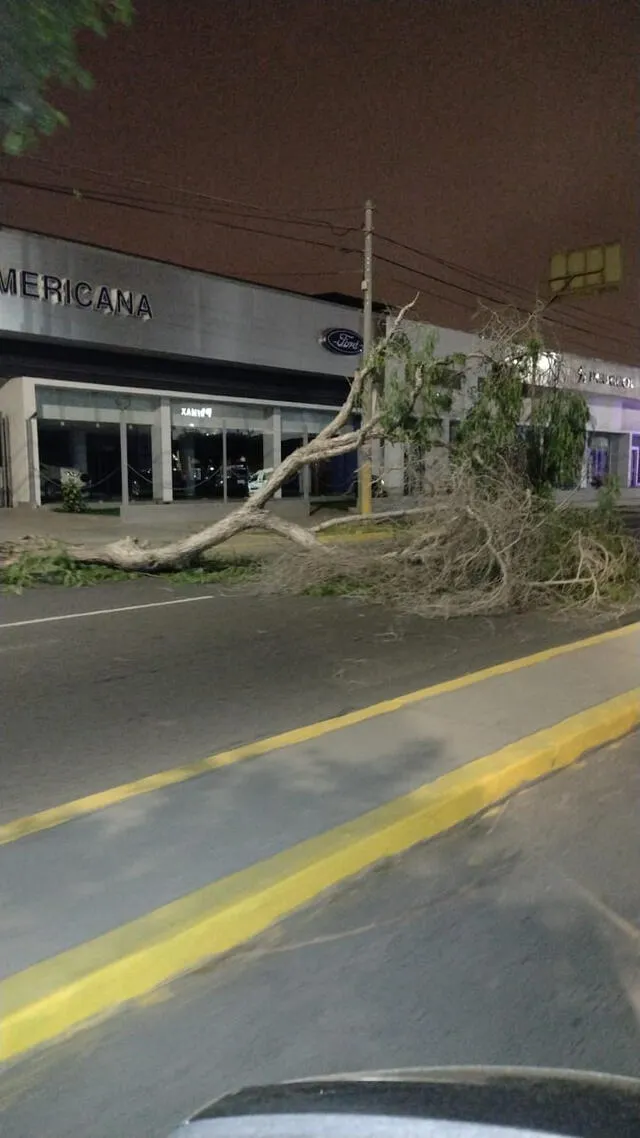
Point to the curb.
(52, 998)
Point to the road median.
(93, 979)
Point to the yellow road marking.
(78, 808)
(57, 995)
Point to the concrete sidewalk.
(76, 881)
(151, 525)
(156, 524)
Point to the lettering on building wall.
(196, 412)
(46, 287)
(549, 370)
(605, 378)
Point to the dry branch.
(375, 519)
(131, 555)
(481, 545)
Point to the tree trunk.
(128, 554)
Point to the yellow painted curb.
(368, 535)
(53, 997)
(90, 803)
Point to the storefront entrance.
(215, 463)
(175, 448)
(634, 479)
(94, 451)
(598, 461)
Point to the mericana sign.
(52, 289)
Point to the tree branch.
(130, 555)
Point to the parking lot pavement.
(515, 939)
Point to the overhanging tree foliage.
(38, 46)
(524, 417)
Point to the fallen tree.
(415, 402)
(484, 534)
(488, 536)
(480, 545)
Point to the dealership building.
(162, 383)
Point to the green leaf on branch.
(536, 429)
(38, 47)
(418, 390)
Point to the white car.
(259, 479)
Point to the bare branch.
(371, 519)
(130, 555)
(330, 442)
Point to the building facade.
(612, 391)
(158, 382)
(497, 139)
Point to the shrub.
(73, 492)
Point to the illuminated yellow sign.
(586, 270)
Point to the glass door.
(598, 461)
(635, 467)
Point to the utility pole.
(365, 497)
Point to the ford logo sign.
(342, 342)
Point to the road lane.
(513, 940)
(89, 703)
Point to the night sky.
(488, 132)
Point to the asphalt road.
(514, 940)
(91, 702)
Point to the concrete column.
(124, 459)
(79, 449)
(393, 469)
(272, 444)
(161, 463)
(18, 404)
(35, 495)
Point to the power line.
(289, 216)
(285, 217)
(306, 273)
(509, 285)
(432, 277)
(125, 197)
(163, 210)
(449, 264)
(220, 218)
(593, 333)
(464, 304)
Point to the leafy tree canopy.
(38, 47)
(536, 428)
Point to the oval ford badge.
(342, 341)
